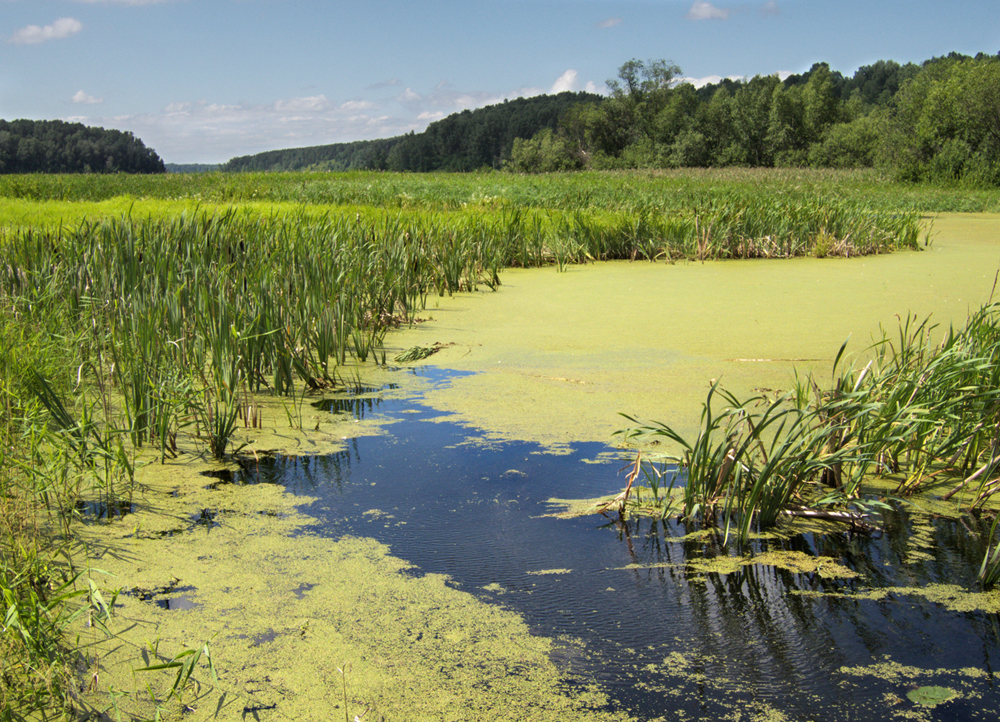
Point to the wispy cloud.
(609, 23)
(34, 34)
(446, 96)
(312, 104)
(356, 105)
(82, 97)
(770, 8)
(702, 10)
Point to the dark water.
(662, 640)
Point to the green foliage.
(849, 145)
(547, 152)
(917, 411)
(54, 146)
(937, 123)
(947, 124)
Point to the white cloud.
(34, 34)
(357, 105)
(609, 23)
(770, 8)
(82, 97)
(299, 105)
(208, 132)
(566, 81)
(702, 10)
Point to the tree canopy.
(939, 120)
(55, 146)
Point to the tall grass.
(626, 191)
(221, 303)
(919, 412)
(41, 591)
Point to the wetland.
(387, 544)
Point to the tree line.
(937, 121)
(465, 141)
(55, 146)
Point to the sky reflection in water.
(664, 639)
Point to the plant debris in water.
(931, 696)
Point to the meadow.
(143, 316)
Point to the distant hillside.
(360, 154)
(192, 167)
(54, 146)
(468, 140)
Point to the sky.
(203, 81)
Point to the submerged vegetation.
(128, 336)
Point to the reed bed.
(174, 322)
(659, 190)
(919, 413)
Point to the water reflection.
(357, 402)
(632, 603)
(298, 474)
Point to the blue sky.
(206, 80)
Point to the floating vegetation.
(949, 596)
(920, 412)
(419, 353)
(931, 696)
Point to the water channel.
(637, 605)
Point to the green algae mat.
(558, 356)
(308, 625)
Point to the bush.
(546, 152)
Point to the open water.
(664, 640)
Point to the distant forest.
(54, 146)
(465, 141)
(939, 120)
(192, 167)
